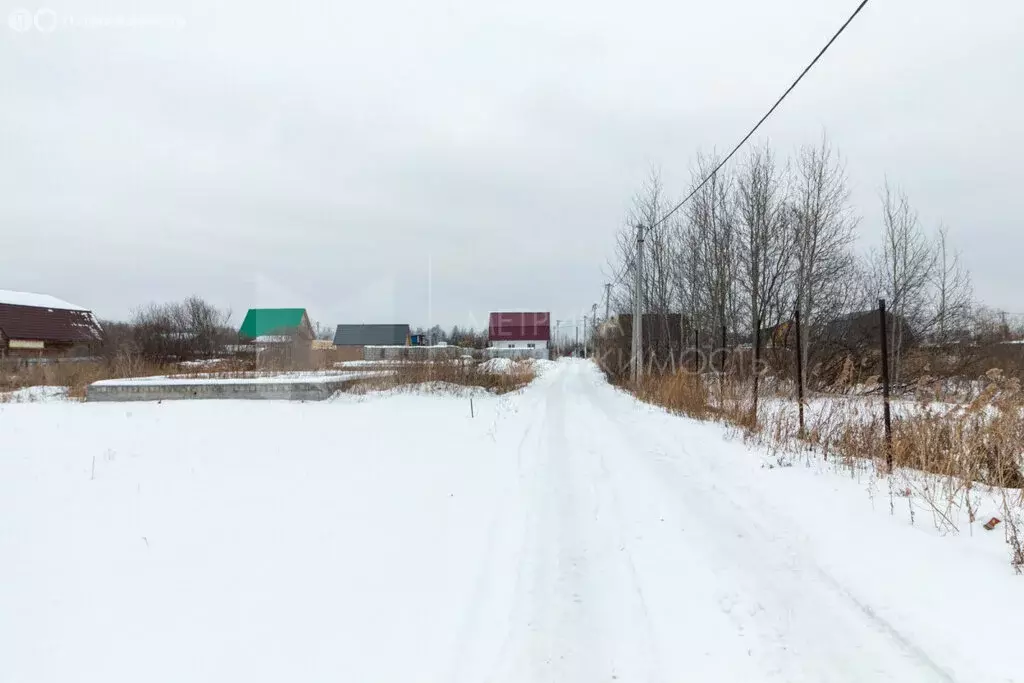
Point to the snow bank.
(447, 389)
(200, 363)
(502, 365)
(364, 363)
(37, 300)
(542, 365)
(38, 394)
(497, 365)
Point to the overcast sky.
(332, 155)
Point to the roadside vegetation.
(444, 376)
(954, 460)
(757, 284)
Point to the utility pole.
(584, 336)
(607, 300)
(577, 344)
(638, 306)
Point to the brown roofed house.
(39, 325)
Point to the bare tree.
(711, 238)
(953, 291)
(190, 329)
(822, 225)
(658, 286)
(763, 246)
(649, 206)
(906, 268)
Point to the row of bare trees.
(186, 330)
(772, 234)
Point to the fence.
(663, 351)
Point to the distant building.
(276, 326)
(519, 330)
(39, 325)
(352, 340)
(862, 330)
(282, 335)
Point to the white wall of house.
(516, 354)
(532, 344)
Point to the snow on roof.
(36, 300)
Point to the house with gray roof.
(372, 335)
(351, 340)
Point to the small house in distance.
(519, 330)
(43, 326)
(276, 325)
(519, 334)
(285, 333)
(352, 340)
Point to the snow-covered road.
(636, 559)
(566, 533)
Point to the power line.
(763, 118)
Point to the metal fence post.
(696, 351)
(887, 415)
(756, 366)
(724, 355)
(799, 371)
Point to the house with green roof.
(276, 325)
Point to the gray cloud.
(270, 154)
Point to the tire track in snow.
(739, 539)
(578, 611)
(475, 658)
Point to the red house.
(519, 330)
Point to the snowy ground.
(34, 394)
(566, 533)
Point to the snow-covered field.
(566, 533)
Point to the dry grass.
(435, 375)
(683, 393)
(701, 397)
(954, 449)
(75, 376)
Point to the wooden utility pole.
(584, 336)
